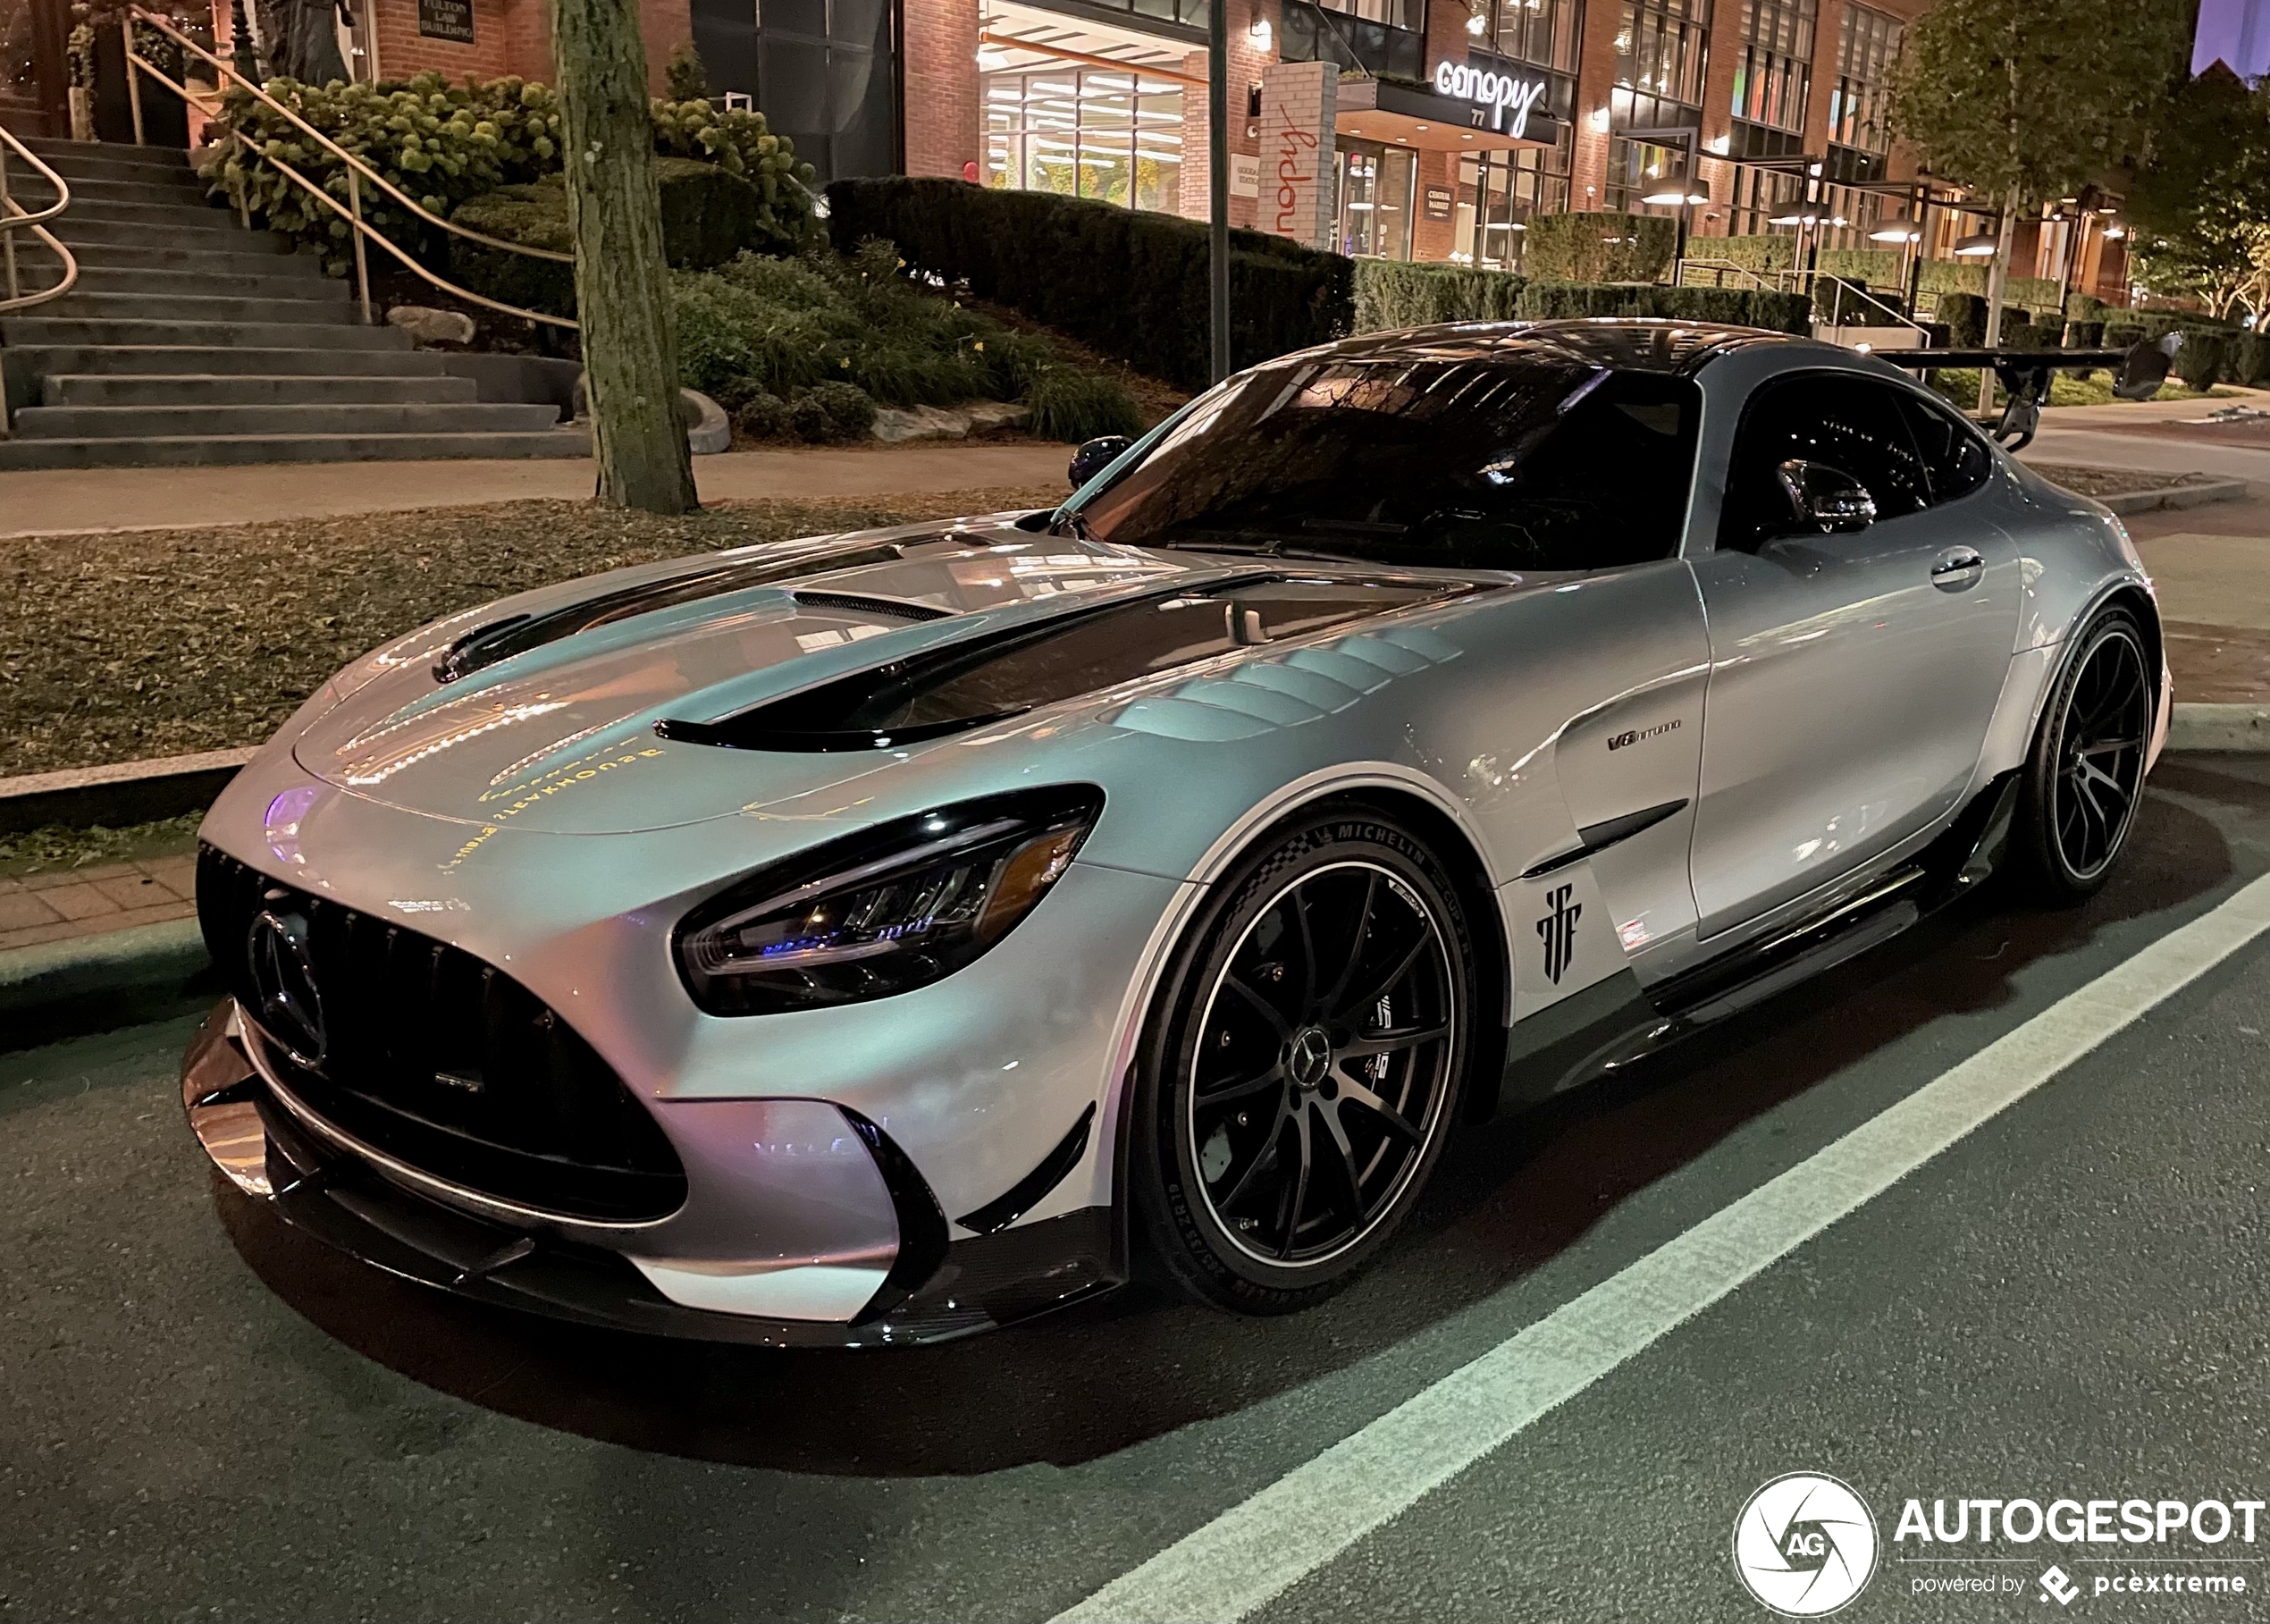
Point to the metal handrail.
(351, 211)
(14, 214)
(1791, 281)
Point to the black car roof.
(1632, 343)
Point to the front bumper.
(274, 1148)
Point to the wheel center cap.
(1309, 1058)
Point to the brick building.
(1455, 120)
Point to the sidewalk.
(2211, 568)
(47, 502)
(41, 908)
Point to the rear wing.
(2138, 372)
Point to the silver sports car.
(878, 937)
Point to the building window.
(1774, 74)
(1865, 50)
(1660, 50)
(1112, 134)
(1371, 40)
(1498, 191)
(1376, 187)
(823, 71)
(1545, 32)
(1762, 196)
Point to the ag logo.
(1805, 1545)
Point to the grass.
(119, 647)
(56, 846)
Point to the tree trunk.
(622, 286)
(1997, 283)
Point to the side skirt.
(1616, 1022)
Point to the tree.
(622, 285)
(2027, 101)
(2198, 203)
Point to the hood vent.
(882, 608)
(995, 676)
(500, 640)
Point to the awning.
(1379, 109)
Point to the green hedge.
(1954, 276)
(1765, 251)
(1964, 315)
(2200, 362)
(1392, 294)
(1131, 284)
(1597, 246)
(1876, 267)
(708, 216)
(1732, 307)
(2249, 362)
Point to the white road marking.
(1254, 1551)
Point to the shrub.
(2084, 335)
(687, 79)
(1733, 306)
(1954, 276)
(1131, 284)
(1869, 267)
(2249, 359)
(1072, 405)
(443, 144)
(1964, 315)
(2200, 362)
(708, 216)
(2120, 336)
(2038, 293)
(2019, 332)
(830, 412)
(1765, 251)
(1599, 246)
(1391, 293)
(763, 416)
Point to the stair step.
(255, 279)
(187, 211)
(67, 158)
(253, 388)
(212, 229)
(177, 310)
(177, 360)
(247, 253)
(107, 333)
(237, 422)
(180, 191)
(193, 450)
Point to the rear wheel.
(1296, 1079)
(2086, 773)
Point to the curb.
(123, 793)
(2176, 496)
(2223, 728)
(91, 983)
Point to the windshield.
(1528, 464)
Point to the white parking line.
(1254, 1551)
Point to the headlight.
(885, 910)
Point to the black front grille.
(444, 1062)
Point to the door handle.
(1957, 568)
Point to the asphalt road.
(205, 1414)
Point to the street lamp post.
(1217, 148)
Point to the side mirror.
(1826, 498)
(2145, 367)
(1094, 456)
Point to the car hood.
(540, 711)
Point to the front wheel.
(2085, 774)
(1298, 1075)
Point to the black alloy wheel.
(2086, 774)
(1301, 1087)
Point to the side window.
(1853, 425)
(1954, 455)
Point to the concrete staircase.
(188, 341)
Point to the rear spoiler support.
(2138, 372)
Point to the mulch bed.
(2095, 482)
(117, 648)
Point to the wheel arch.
(1462, 854)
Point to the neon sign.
(1505, 98)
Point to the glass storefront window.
(1112, 134)
(1375, 200)
(1498, 191)
(1356, 40)
(1660, 48)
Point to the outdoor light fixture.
(1902, 230)
(1979, 244)
(991, 61)
(1478, 24)
(2113, 233)
(1259, 34)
